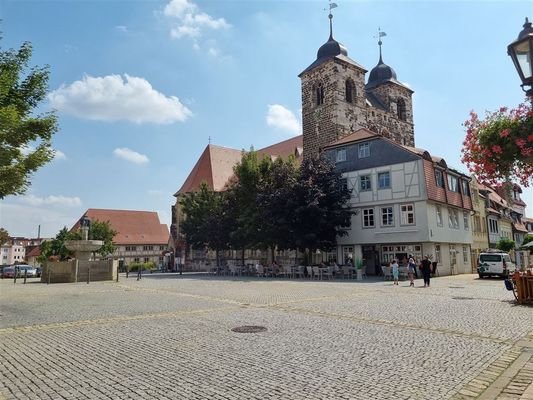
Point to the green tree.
(318, 206)
(277, 179)
(505, 244)
(207, 219)
(56, 247)
(4, 236)
(103, 231)
(242, 195)
(25, 137)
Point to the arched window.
(319, 94)
(350, 91)
(402, 112)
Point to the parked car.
(26, 270)
(495, 263)
(8, 272)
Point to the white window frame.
(407, 210)
(453, 183)
(439, 178)
(369, 220)
(439, 216)
(364, 150)
(387, 216)
(453, 218)
(368, 183)
(385, 174)
(465, 254)
(341, 155)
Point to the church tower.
(393, 103)
(333, 96)
(336, 101)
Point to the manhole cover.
(463, 298)
(456, 287)
(249, 329)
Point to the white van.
(499, 264)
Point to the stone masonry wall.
(335, 118)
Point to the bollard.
(16, 273)
(88, 274)
(25, 275)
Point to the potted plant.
(359, 267)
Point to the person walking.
(412, 262)
(425, 268)
(395, 271)
(411, 271)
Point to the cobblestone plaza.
(170, 337)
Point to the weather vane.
(330, 16)
(379, 36)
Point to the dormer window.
(350, 91)
(341, 155)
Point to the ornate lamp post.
(521, 52)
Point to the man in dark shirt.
(425, 267)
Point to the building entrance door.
(371, 260)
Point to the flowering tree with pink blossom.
(499, 148)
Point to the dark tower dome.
(381, 73)
(331, 48)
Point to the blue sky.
(141, 85)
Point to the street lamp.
(521, 52)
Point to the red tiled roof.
(284, 149)
(359, 134)
(520, 227)
(215, 165)
(35, 252)
(133, 227)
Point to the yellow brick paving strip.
(507, 378)
(103, 321)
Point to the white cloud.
(25, 219)
(114, 98)
(121, 28)
(27, 149)
(62, 201)
(59, 155)
(282, 118)
(130, 155)
(191, 22)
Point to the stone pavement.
(170, 337)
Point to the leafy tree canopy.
(319, 206)
(207, 218)
(505, 244)
(25, 137)
(4, 236)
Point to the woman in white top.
(395, 271)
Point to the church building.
(405, 201)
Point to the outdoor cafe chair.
(309, 272)
(328, 272)
(317, 273)
(259, 270)
(387, 273)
